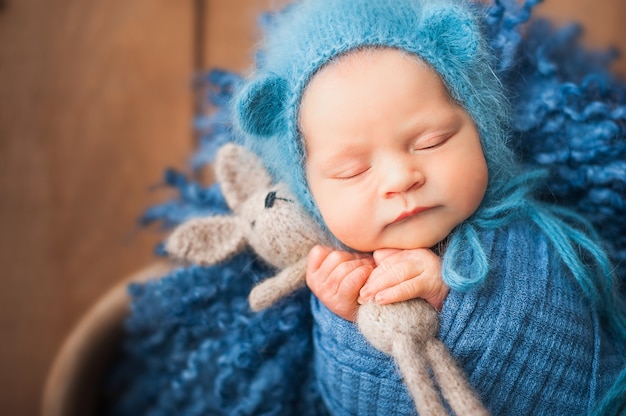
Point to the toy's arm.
(206, 241)
(269, 291)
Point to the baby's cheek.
(350, 230)
(342, 228)
(346, 212)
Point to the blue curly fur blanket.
(193, 347)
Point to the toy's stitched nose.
(269, 199)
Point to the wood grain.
(94, 103)
(232, 31)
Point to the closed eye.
(351, 175)
(432, 143)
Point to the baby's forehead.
(344, 66)
(373, 86)
(358, 57)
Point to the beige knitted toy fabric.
(268, 219)
(407, 331)
(265, 217)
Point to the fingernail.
(380, 298)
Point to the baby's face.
(392, 162)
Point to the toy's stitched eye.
(252, 224)
(271, 198)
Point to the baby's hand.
(405, 274)
(336, 278)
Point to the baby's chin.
(408, 244)
(409, 235)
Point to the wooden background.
(95, 102)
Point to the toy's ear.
(453, 31)
(260, 106)
(240, 174)
(206, 241)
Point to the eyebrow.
(338, 155)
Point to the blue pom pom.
(260, 107)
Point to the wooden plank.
(94, 103)
(232, 32)
(231, 28)
(603, 23)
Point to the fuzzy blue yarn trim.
(570, 118)
(193, 347)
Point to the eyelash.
(439, 141)
(354, 176)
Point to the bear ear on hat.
(453, 31)
(259, 108)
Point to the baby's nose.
(401, 177)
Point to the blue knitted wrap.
(193, 347)
(525, 338)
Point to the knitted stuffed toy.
(266, 217)
(270, 220)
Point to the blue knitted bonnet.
(309, 34)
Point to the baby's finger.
(382, 254)
(400, 292)
(341, 265)
(334, 266)
(316, 257)
(388, 275)
(354, 280)
(348, 292)
(410, 289)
